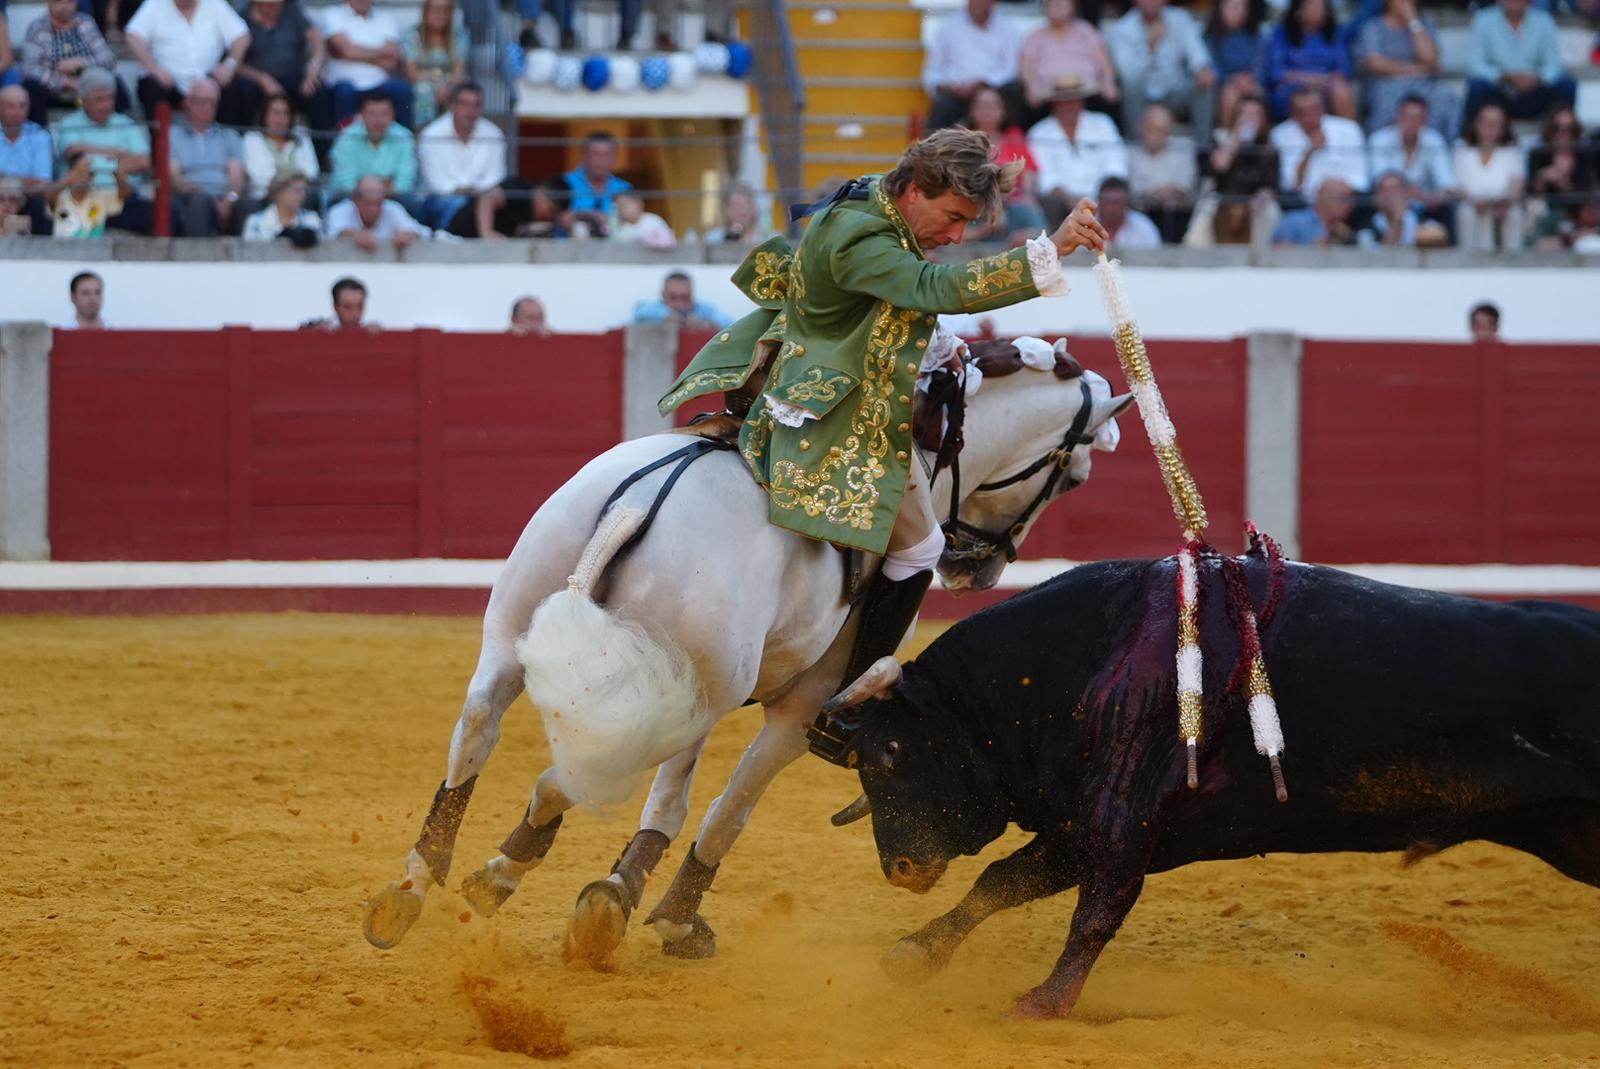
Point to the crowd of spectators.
(1300, 129)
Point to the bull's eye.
(891, 750)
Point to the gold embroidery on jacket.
(709, 380)
(1000, 273)
(772, 277)
(813, 387)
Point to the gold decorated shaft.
(1181, 488)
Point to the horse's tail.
(615, 700)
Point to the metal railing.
(782, 95)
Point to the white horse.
(712, 608)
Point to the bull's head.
(914, 784)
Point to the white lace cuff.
(941, 347)
(1045, 263)
(787, 414)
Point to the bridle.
(964, 541)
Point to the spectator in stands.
(1161, 173)
(1562, 164)
(640, 227)
(1416, 151)
(1394, 224)
(88, 293)
(436, 58)
(592, 188)
(1161, 56)
(1484, 322)
(112, 148)
(973, 47)
(286, 59)
(60, 45)
(349, 306)
(677, 304)
(1244, 161)
(546, 207)
(1233, 37)
(9, 75)
(369, 219)
(1313, 145)
(463, 162)
(527, 317)
(14, 216)
(1398, 55)
(1217, 222)
(1024, 216)
(81, 206)
(1571, 225)
(25, 157)
(367, 58)
(207, 167)
(742, 223)
(1065, 44)
(564, 11)
(1129, 229)
(279, 147)
(1306, 51)
(181, 41)
(1491, 170)
(1326, 222)
(1075, 149)
(375, 146)
(286, 213)
(1514, 59)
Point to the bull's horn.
(875, 682)
(852, 812)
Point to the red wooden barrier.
(310, 444)
(1449, 454)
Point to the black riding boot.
(887, 609)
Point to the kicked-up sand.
(199, 807)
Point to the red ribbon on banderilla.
(1191, 512)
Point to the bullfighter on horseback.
(824, 372)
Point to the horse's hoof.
(486, 891)
(910, 962)
(700, 942)
(1040, 1005)
(599, 921)
(390, 914)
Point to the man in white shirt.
(1160, 56)
(369, 219)
(972, 48)
(1129, 229)
(365, 54)
(1418, 152)
(180, 41)
(1313, 145)
(1075, 149)
(462, 158)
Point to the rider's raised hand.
(1081, 229)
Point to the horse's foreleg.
(600, 918)
(495, 685)
(676, 918)
(487, 889)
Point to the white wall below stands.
(1211, 302)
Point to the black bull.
(1409, 717)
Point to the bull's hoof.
(911, 962)
(698, 942)
(1041, 1004)
(598, 923)
(487, 890)
(390, 914)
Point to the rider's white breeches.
(904, 563)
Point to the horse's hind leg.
(600, 918)
(487, 889)
(495, 685)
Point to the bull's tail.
(615, 700)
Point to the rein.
(969, 542)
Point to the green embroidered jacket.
(851, 312)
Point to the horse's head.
(1029, 433)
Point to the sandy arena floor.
(202, 804)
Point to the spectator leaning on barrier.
(368, 219)
(286, 58)
(1064, 45)
(1160, 56)
(60, 45)
(972, 47)
(375, 146)
(436, 58)
(349, 306)
(366, 55)
(1484, 322)
(1233, 37)
(207, 167)
(462, 157)
(1417, 152)
(1398, 55)
(592, 187)
(1076, 149)
(1162, 173)
(640, 227)
(286, 214)
(277, 148)
(1307, 51)
(14, 216)
(25, 156)
(1129, 229)
(180, 41)
(1394, 225)
(1313, 145)
(1326, 222)
(527, 317)
(677, 305)
(742, 223)
(1514, 59)
(88, 292)
(109, 147)
(1491, 170)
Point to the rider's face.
(940, 220)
